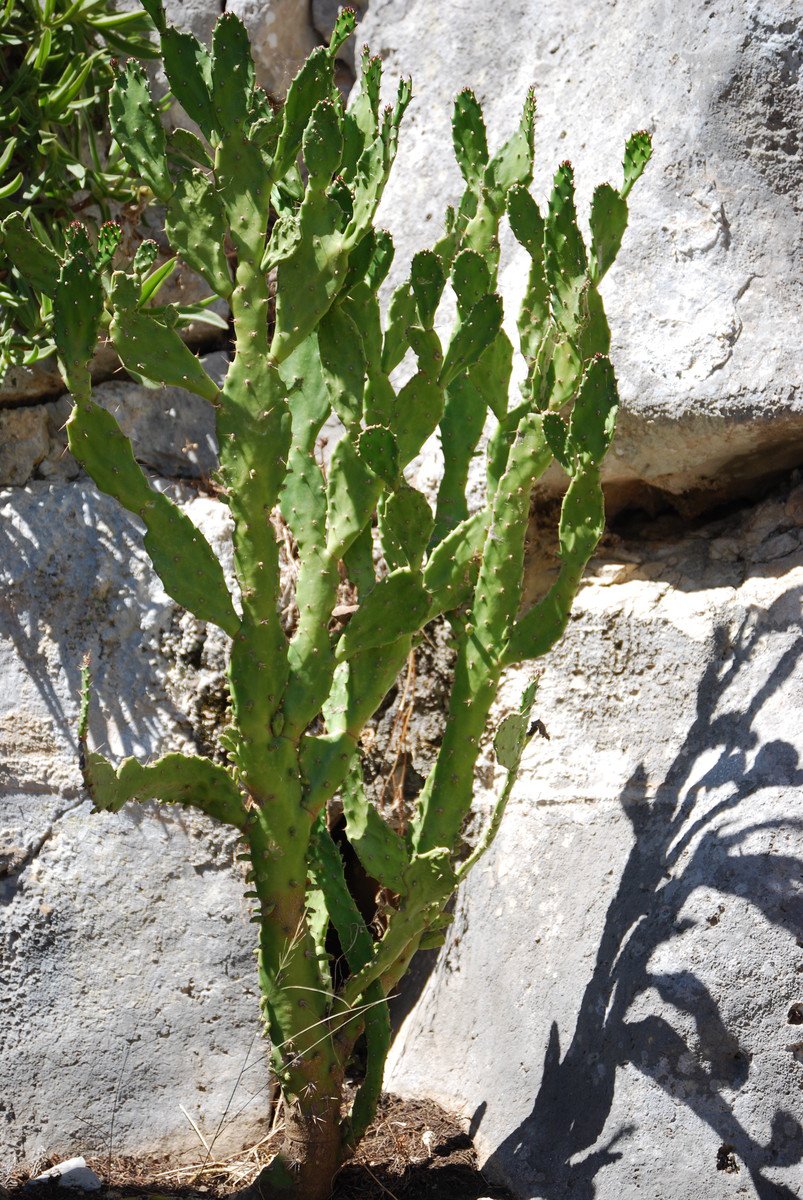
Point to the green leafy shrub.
(297, 256)
(56, 158)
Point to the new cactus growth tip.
(247, 216)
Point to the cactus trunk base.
(310, 1157)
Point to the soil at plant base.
(413, 1151)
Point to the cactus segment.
(450, 573)
(312, 84)
(187, 150)
(469, 138)
(397, 605)
(328, 875)
(556, 432)
(608, 223)
(196, 225)
(144, 259)
(344, 26)
(498, 592)
(378, 1035)
(582, 518)
(593, 417)
(638, 152)
(150, 348)
(174, 779)
(379, 848)
(109, 236)
(419, 405)
(511, 737)
(567, 262)
(35, 261)
(401, 314)
(322, 143)
(232, 73)
(343, 363)
(156, 12)
(357, 946)
(528, 227)
(460, 431)
(359, 562)
(137, 129)
(471, 280)
(378, 449)
(181, 556)
(513, 163)
(405, 525)
(427, 280)
(77, 310)
(317, 915)
(352, 492)
(188, 66)
(361, 124)
(540, 628)
(473, 336)
(311, 275)
(510, 741)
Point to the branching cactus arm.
(248, 218)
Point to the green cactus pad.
(174, 779)
(322, 143)
(77, 309)
(451, 570)
(188, 66)
(328, 874)
(35, 261)
(608, 221)
(593, 417)
(471, 280)
(513, 163)
(137, 129)
(397, 605)
(352, 494)
(427, 279)
(380, 849)
(149, 348)
(556, 432)
(196, 225)
(312, 84)
(473, 336)
(232, 73)
(187, 149)
(343, 363)
(638, 153)
(379, 450)
(469, 138)
(405, 524)
(181, 556)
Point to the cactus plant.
(244, 214)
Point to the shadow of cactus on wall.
(683, 841)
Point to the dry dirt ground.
(413, 1151)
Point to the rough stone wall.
(611, 1011)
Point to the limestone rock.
(705, 299)
(127, 965)
(281, 36)
(611, 1011)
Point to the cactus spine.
(241, 212)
